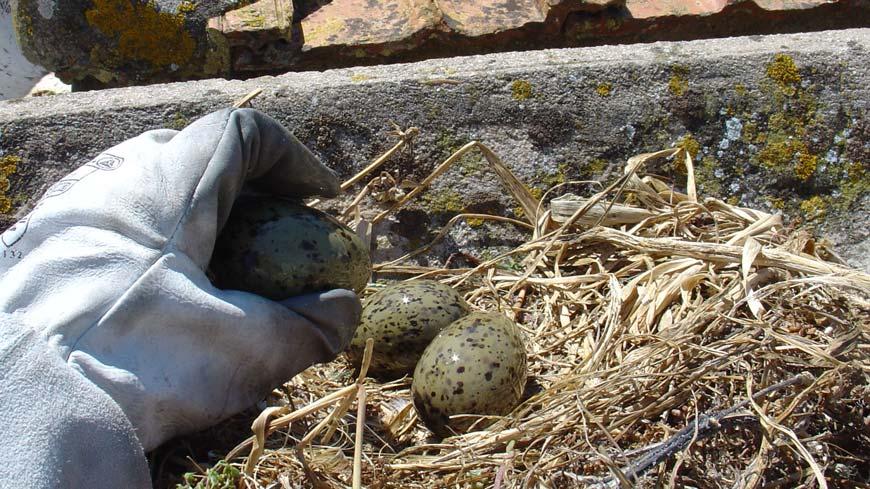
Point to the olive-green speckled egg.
(477, 365)
(278, 249)
(402, 319)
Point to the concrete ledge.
(779, 122)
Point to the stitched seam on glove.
(170, 242)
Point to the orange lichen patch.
(142, 32)
(8, 166)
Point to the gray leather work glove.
(112, 339)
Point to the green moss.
(8, 167)
(222, 476)
(603, 89)
(521, 90)
(142, 32)
(814, 208)
(678, 85)
(784, 72)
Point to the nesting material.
(689, 342)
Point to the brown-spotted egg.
(278, 249)
(402, 319)
(477, 365)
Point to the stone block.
(780, 123)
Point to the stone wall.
(776, 122)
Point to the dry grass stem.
(673, 340)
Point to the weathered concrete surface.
(778, 122)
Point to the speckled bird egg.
(278, 249)
(477, 365)
(402, 319)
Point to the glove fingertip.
(337, 310)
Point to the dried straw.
(673, 340)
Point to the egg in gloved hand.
(403, 319)
(278, 249)
(477, 365)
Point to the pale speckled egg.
(278, 249)
(402, 319)
(477, 365)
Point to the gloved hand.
(112, 339)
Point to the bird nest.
(673, 340)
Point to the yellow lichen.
(678, 85)
(750, 133)
(187, 6)
(521, 89)
(856, 171)
(806, 166)
(690, 144)
(8, 166)
(777, 203)
(142, 32)
(444, 201)
(320, 34)
(783, 71)
(178, 122)
(596, 166)
(475, 222)
(217, 56)
(854, 186)
(252, 18)
(705, 176)
(537, 193)
(740, 89)
(814, 208)
(784, 153)
(603, 89)
(556, 178)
